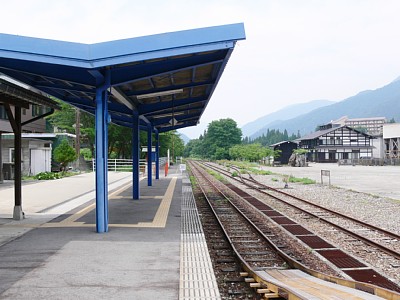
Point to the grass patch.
(248, 168)
(275, 179)
(123, 169)
(193, 181)
(303, 180)
(260, 172)
(217, 176)
(243, 171)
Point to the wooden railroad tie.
(271, 295)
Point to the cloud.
(296, 51)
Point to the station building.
(333, 142)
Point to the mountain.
(382, 102)
(286, 113)
(184, 137)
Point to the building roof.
(283, 142)
(366, 119)
(167, 79)
(16, 95)
(319, 133)
(39, 136)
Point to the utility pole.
(173, 147)
(77, 135)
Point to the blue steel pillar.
(101, 123)
(149, 156)
(157, 156)
(135, 155)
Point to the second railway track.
(351, 267)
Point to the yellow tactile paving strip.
(197, 279)
(159, 221)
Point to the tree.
(119, 141)
(300, 151)
(171, 140)
(274, 136)
(250, 152)
(64, 154)
(65, 119)
(220, 136)
(193, 149)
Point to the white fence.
(125, 165)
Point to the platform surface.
(55, 252)
(155, 247)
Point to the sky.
(295, 50)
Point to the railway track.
(384, 240)
(350, 266)
(250, 246)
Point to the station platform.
(154, 249)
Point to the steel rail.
(273, 287)
(389, 251)
(377, 290)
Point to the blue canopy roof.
(167, 79)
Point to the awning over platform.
(155, 83)
(167, 79)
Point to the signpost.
(325, 173)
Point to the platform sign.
(325, 173)
(182, 167)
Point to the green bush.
(64, 154)
(86, 153)
(47, 176)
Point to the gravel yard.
(366, 199)
(370, 207)
(375, 180)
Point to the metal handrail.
(125, 165)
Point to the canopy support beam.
(101, 124)
(149, 156)
(135, 155)
(157, 155)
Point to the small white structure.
(378, 150)
(391, 137)
(36, 154)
